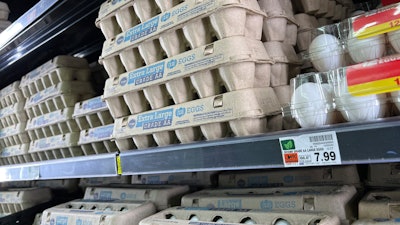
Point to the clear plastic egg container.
(11, 95)
(379, 204)
(92, 113)
(238, 113)
(186, 26)
(4, 11)
(51, 124)
(202, 72)
(98, 140)
(56, 147)
(57, 97)
(13, 135)
(13, 114)
(16, 154)
(118, 16)
(190, 215)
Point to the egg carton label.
(14, 150)
(10, 110)
(90, 106)
(59, 141)
(12, 130)
(50, 118)
(109, 7)
(96, 134)
(248, 103)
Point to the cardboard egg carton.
(379, 204)
(92, 113)
(4, 11)
(16, 200)
(162, 196)
(383, 175)
(169, 32)
(98, 140)
(193, 178)
(38, 219)
(332, 9)
(337, 200)
(104, 181)
(60, 96)
(68, 185)
(13, 114)
(56, 147)
(279, 122)
(16, 154)
(11, 95)
(311, 176)
(244, 112)
(192, 215)
(98, 213)
(204, 69)
(51, 124)
(60, 68)
(377, 221)
(13, 135)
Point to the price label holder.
(374, 77)
(380, 21)
(316, 149)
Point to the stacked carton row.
(4, 12)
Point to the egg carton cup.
(307, 23)
(162, 196)
(60, 96)
(186, 178)
(56, 147)
(13, 114)
(16, 154)
(333, 199)
(160, 35)
(244, 66)
(4, 11)
(92, 113)
(191, 215)
(279, 122)
(245, 111)
(13, 135)
(383, 175)
(11, 95)
(51, 124)
(98, 140)
(104, 181)
(107, 213)
(379, 204)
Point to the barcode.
(327, 137)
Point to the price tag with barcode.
(315, 149)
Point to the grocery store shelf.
(374, 142)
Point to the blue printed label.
(6, 111)
(255, 181)
(105, 195)
(94, 103)
(47, 119)
(102, 132)
(230, 203)
(147, 74)
(156, 119)
(142, 30)
(62, 220)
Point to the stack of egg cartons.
(14, 140)
(4, 12)
(187, 71)
(52, 90)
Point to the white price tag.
(316, 149)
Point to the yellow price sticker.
(119, 167)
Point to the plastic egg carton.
(193, 178)
(205, 68)
(56, 147)
(13, 114)
(51, 124)
(97, 213)
(104, 181)
(379, 204)
(11, 95)
(60, 96)
(192, 215)
(243, 111)
(13, 135)
(16, 154)
(98, 140)
(92, 113)
(60, 68)
(116, 17)
(190, 22)
(162, 196)
(4, 11)
(383, 175)
(312, 176)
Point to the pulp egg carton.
(116, 17)
(312, 103)
(162, 196)
(328, 175)
(13, 114)
(104, 181)
(279, 122)
(243, 111)
(60, 68)
(377, 221)
(279, 24)
(4, 11)
(11, 95)
(337, 200)
(186, 178)
(167, 33)
(38, 219)
(202, 215)
(16, 184)
(16, 200)
(68, 185)
(56, 147)
(60, 96)
(379, 204)
(245, 65)
(13, 135)
(97, 213)
(307, 23)
(16, 154)
(384, 175)
(98, 140)
(92, 113)
(51, 124)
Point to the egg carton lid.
(48, 119)
(15, 150)
(16, 129)
(25, 195)
(109, 7)
(96, 134)
(12, 109)
(11, 88)
(282, 53)
(55, 142)
(90, 106)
